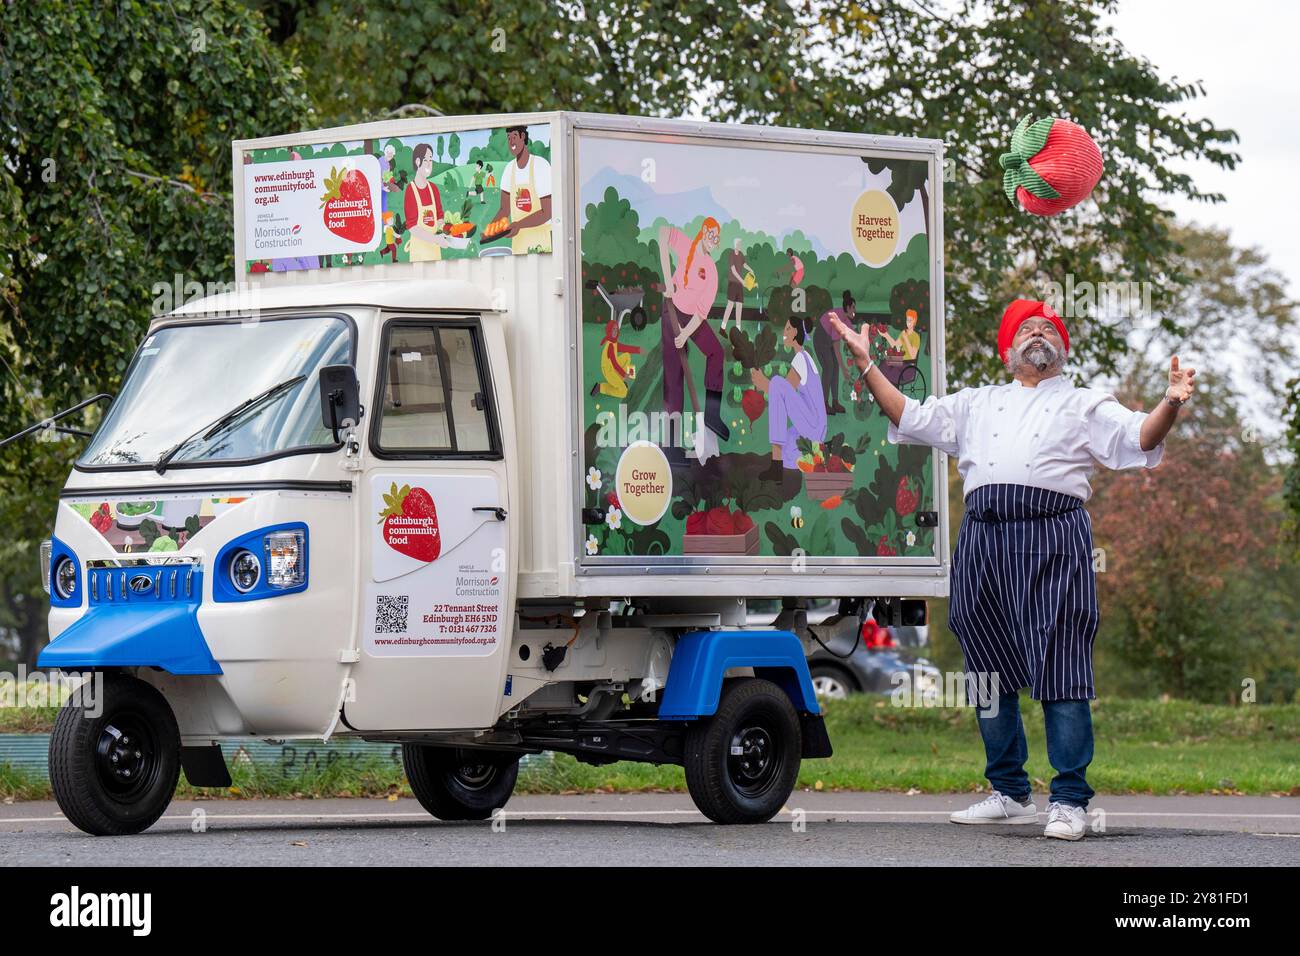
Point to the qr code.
(390, 613)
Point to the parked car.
(870, 659)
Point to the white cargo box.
(844, 513)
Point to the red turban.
(1016, 314)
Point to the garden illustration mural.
(465, 194)
(710, 276)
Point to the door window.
(434, 399)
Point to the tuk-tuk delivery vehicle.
(407, 480)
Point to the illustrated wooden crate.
(746, 543)
(827, 484)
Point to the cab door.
(437, 563)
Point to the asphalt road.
(664, 829)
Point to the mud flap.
(816, 742)
(206, 767)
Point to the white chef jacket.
(1050, 436)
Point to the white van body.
(309, 664)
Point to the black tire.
(638, 318)
(756, 716)
(460, 784)
(115, 774)
(824, 672)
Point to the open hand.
(859, 343)
(1180, 381)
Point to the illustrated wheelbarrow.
(625, 303)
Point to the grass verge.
(1141, 747)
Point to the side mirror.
(340, 398)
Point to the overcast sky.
(1245, 54)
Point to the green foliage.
(611, 227)
(116, 176)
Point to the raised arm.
(1163, 416)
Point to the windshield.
(187, 376)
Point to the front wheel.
(114, 768)
(742, 763)
(460, 784)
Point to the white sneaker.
(997, 808)
(1065, 822)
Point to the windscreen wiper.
(207, 431)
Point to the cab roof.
(441, 295)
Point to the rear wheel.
(742, 763)
(114, 774)
(460, 784)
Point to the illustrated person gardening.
(795, 404)
(615, 365)
(525, 195)
(1024, 597)
(689, 291)
(735, 284)
(422, 208)
(908, 342)
(480, 175)
(826, 343)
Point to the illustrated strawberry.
(697, 523)
(905, 499)
(741, 522)
(719, 521)
(884, 548)
(612, 499)
(753, 404)
(410, 523)
(349, 213)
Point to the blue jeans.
(1068, 727)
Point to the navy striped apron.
(1024, 596)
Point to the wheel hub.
(474, 774)
(125, 757)
(752, 762)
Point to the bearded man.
(1024, 596)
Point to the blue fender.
(132, 630)
(703, 657)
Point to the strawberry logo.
(411, 523)
(349, 213)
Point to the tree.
(966, 76)
(453, 148)
(115, 176)
(1183, 543)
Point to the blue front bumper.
(131, 624)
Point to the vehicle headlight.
(47, 547)
(65, 579)
(245, 571)
(284, 559)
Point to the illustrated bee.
(796, 516)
